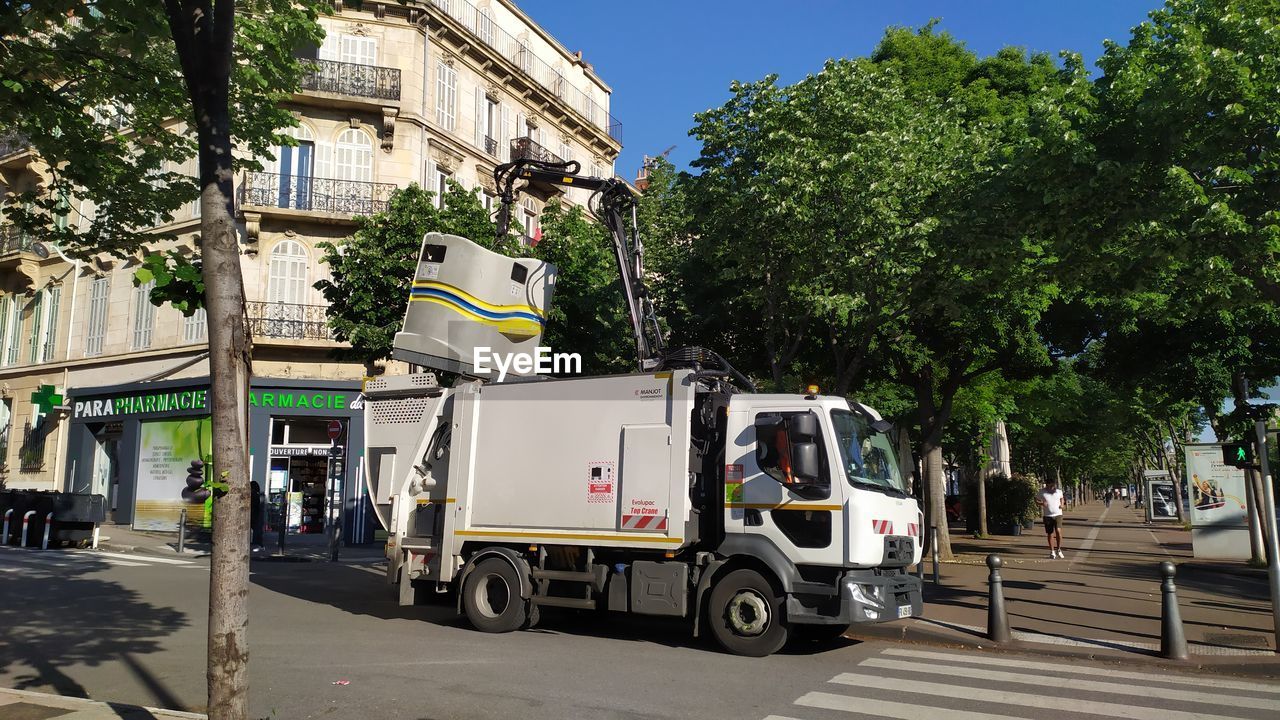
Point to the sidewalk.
(298, 548)
(1103, 600)
(26, 705)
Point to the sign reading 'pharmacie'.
(197, 400)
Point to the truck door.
(779, 483)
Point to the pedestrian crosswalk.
(919, 684)
(19, 560)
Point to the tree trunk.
(203, 32)
(982, 504)
(935, 483)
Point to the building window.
(144, 315)
(294, 165)
(485, 27)
(12, 310)
(442, 187)
(288, 281)
(532, 234)
(6, 422)
(566, 152)
(488, 119)
(35, 310)
(353, 156)
(349, 49)
(194, 326)
(446, 96)
(49, 340)
(97, 316)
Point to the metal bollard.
(997, 618)
(48, 523)
(1173, 641)
(4, 539)
(934, 535)
(26, 525)
(182, 530)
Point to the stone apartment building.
(401, 93)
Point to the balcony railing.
(12, 141)
(523, 148)
(13, 240)
(293, 192)
(491, 146)
(483, 27)
(344, 78)
(290, 321)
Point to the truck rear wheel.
(745, 614)
(491, 597)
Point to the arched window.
(353, 156)
(288, 281)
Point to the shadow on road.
(53, 616)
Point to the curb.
(109, 709)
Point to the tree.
(104, 97)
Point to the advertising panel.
(1217, 490)
(166, 449)
(1163, 505)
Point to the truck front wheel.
(746, 614)
(491, 597)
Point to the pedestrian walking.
(1106, 498)
(1050, 498)
(255, 516)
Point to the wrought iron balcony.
(491, 146)
(290, 321)
(480, 24)
(12, 141)
(293, 192)
(14, 240)
(523, 148)
(353, 79)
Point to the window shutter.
(504, 135)
(14, 312)
(480, 117)
(329, 48)
(51, 324)
(97, 316)
(5, 306)
(37, 316)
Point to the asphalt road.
(328, 640)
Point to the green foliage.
(588, 312)
(1011, 500)
(179, 280)
(97, 90)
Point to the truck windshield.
(867, 455)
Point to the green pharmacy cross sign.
(46, 398)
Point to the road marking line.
(1083, 553)
(1039, 681)
(890, 709)
(141, 558)
(979, 659)
(1156, 540)
(772, 717)
(1024, 700)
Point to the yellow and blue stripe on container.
(517, 322)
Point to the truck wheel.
(491, 597)
(745, 614)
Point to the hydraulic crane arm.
(611, 202)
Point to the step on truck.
(673, 491)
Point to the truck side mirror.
(806, 466)
(803, 428)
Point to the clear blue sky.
(667, 60)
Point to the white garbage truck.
(671, 491)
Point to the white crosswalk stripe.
(909, 684)
(1060, 667)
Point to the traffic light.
(195, 492)
(1237, 454)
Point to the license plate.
(904, 611)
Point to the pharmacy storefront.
(135, 445)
